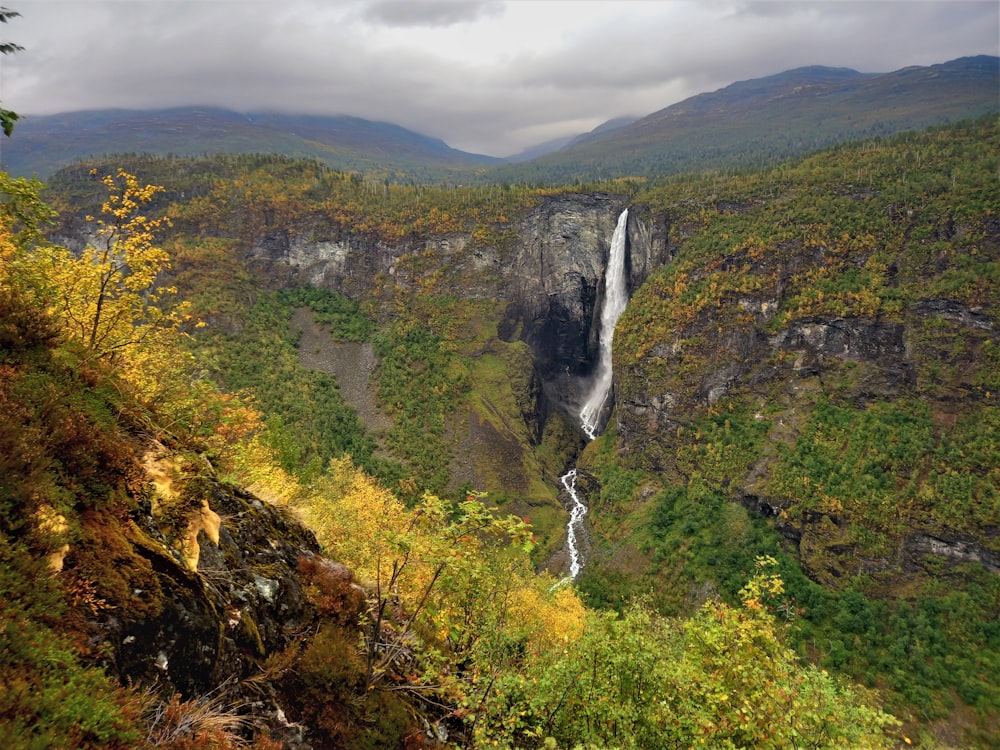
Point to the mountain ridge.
(41, 145)
(757, 121)
(747, 123)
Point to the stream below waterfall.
(594, 406)
(574, 529)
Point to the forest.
(149, 366)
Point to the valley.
(311, 459)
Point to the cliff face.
(550, 280)
(556, 284)
(556, 279)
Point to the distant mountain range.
(41, 145)
(766, 120)
(569, 141)
(748, 123)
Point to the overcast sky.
(486, 76)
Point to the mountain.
(559, 144)
(533, 152)
(762, 121)
(41, 145)
(747, 124)
(600, 130)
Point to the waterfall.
(615, 299)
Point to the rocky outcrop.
(957, 548)
(813, 340)
(346, 264)
(733, 358)
(353, 263)
(212, 631)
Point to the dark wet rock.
(210, 630)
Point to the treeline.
(244, 196)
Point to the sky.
(486, 76)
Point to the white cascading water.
(615, 299)
(576, 514)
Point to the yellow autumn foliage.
(255, 467)
(106, 297)
(546, 618)
(461, 569)
(355, 519)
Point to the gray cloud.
(442, 13)
(484, 76)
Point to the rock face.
(248, 580)
(935, 351)
(211, 630)
(750, 357)
(555, 280)
(551, 281)
(556, 284)
(346, 264)
(958, 548)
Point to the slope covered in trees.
(849, 455)
(118, 502)
(762, 121)
(823, 352)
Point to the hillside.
(822, 351)
(41, 145)
(766, 120)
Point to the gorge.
(743, 329)
(805, 381)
